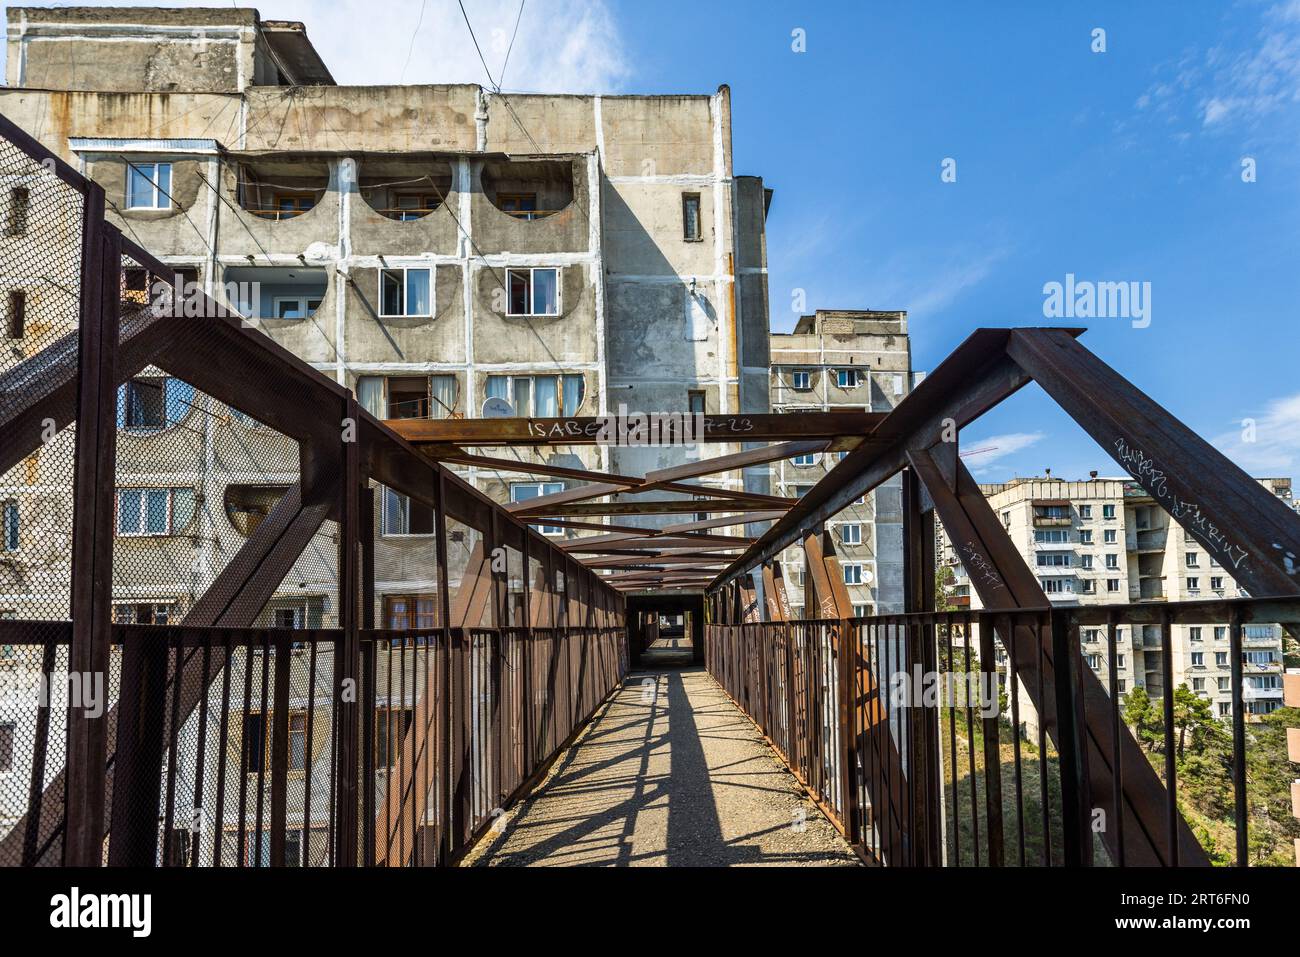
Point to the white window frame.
(852, 573)
(851, 539)
(10, 526)
(406, 293)
(150, 171)
(856, 378)
(142, 490)
(806, 377)
(532, 290)
(543, 488)
(384, 530)
(806, 460)
(304, 303)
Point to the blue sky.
(1115, 166)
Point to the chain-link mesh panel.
(41, 223)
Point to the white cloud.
(569, 46)
(1266, 444)
(934, 294)
(980, 455)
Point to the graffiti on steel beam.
(1187, 513)
(978, 565)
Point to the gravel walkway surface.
(669, 773)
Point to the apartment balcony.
(531, 206)
(277, 206)
(1044, 521)
(404, 207)
(1055, 546)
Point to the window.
(1224, 684)
(154, 511)
(153, 403)
(1056, 586)
(1108, 537)
(1054, 560)
(1220, 632)
(1225, 708)
(691, 231)
(852, 574)
(1085, 511)
(805, 460)
(518, 205)
(1198, 659)
(1193, 560)
(259, 740)
(8, 731)
(1216, 584)
(541, 396)
(148, 185)
(148, 613)
(1094, 661)
(1108, 511)
(1091, 634)
(1051, 536)
(1121, 685)
(10, 526)
(391, 724)
(1119, 661)
(1193, 584)
(405, 292)
(1112, 584)
(403, 516)
(412, 206)
(289, 205)
(295, 307)
(410, 611)
(20, 199)
(1052, 511)
(848, 378)
(1221, 659)
(533, 292)
(1085, 562)
(800, 490)
(291, 618)
(16, 320)
(1006, 520)
(1085, 536)
(861, 611)
(851, 533)
(409, 397)
(1112, 561)
(1089, 586)
(523, 491)
(1198, 684)
(695, 401)
(801, 381)
(1194, 633)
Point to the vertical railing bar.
(1239, 809)
(262, 747)
(1014, 687)
(1117, 772)
(223, 744)
(173, 759)
(280, 752)
(1171, 770)
(1045, 801)
(309, 757)
(196, 808)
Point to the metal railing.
(190, 552)
(919, 738)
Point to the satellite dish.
(497, 408)
(867, 577)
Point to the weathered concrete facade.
(859, 360)
(315, 195)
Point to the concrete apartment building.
(431, 247)
(855, 360)
(1106, 541)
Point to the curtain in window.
(390, 293)
(442, 392)
(370, 394)
(497, 387)
(572, 394)
(156, 511)
(546, 293)
(547, 400)
(418, 298)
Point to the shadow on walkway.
(669, 773)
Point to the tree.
(1140, 715)
(1192, 714)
